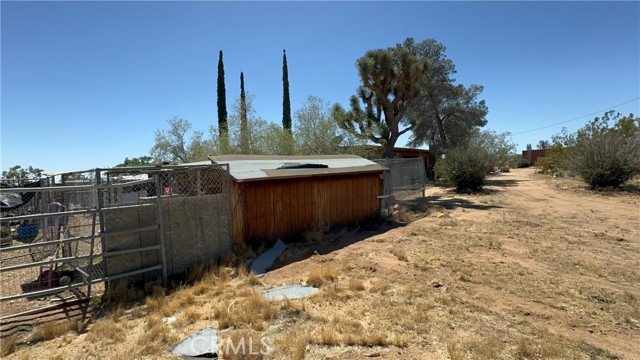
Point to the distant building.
(532, 156)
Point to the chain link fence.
(405, 180)
(66, 235)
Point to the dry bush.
(106, 329)
(487, 347)
(191, 314)
(400, 254)
(322, 276)
(454, 351)
(253, 279)
(198, 271)
(7, 345)
(51, 330)
(200, 289)
(524, 349)
(292, 307)
(296, 344)
(379, 286)
(157, 337)
(356, 285)
(251, 309)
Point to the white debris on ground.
(289, 292)
(261, 264)
(201, 344)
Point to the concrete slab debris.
(289, 292)
(203, 344)
(261, 264)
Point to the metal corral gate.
(72, 235)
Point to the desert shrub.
(465, 167)
(520, 163)
(606, 159)
(554, 162)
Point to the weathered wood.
(284, 208)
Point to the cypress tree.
(244, 125)
(222, 107)
(286, 102)
(286, 106)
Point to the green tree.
(444, 114)
(316, 132)
(389, 82)
(244, 124)
(222, 107)
(543, 144)
(262, 137)
(17, 172)
(136, 161)
(499, 147)
(286, 102)
(176, 146)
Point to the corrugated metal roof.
(256, 167)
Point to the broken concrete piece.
(201, 344)
(289, 292)
(266, 260)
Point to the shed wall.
(265, 211)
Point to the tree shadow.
(455, 203)
(502, 182)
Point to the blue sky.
(86, 84)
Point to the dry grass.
(356, 285)
(400, 254)
(7, 345)
(295, 344)
(106, 330)
(322, 276)
(313, 236)
(51, 330)
(191, 314)
(249, 309)
(156, 338)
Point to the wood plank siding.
(267, 210)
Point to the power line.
(578, 118)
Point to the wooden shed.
(278, 197)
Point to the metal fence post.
(100, 205)
(230, 211)
(160, 225)
(91, 252)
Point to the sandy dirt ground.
(532, 267)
